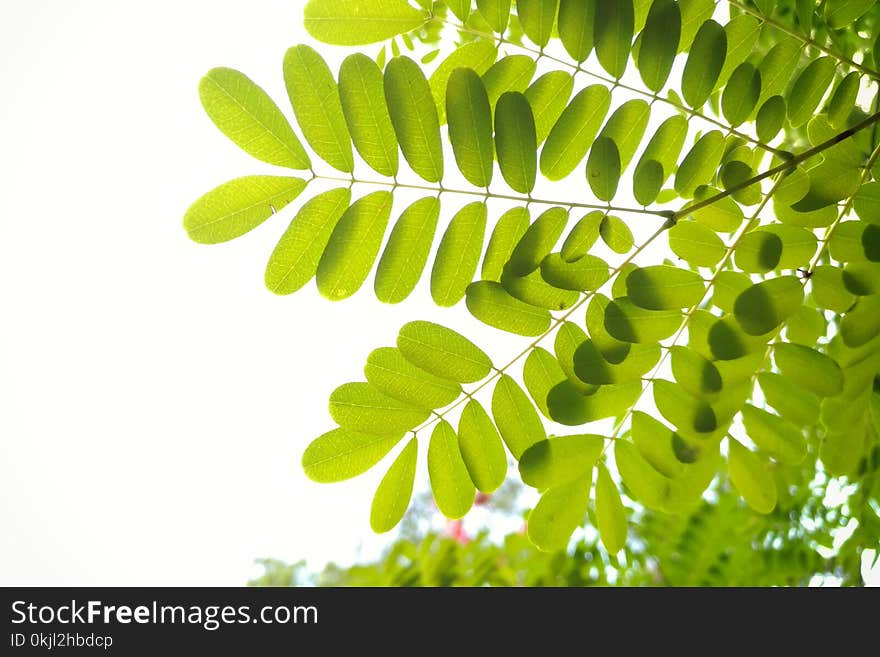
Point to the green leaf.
(395, 490)
(315, 100)
(238, 206)
(250, 118)
(847, 243)
(811, 369)
(862, 278)
(844, 100)
(458, 254)
(392, 374)
(723, 216)
(840, 13)
(752, 478)
(655, 443)
(581, 238)
(616, 234)
(643, 482)
(590, 366)
(537, 18)
(789, 399)
(515, 417)
(741, 94)
(470, 126)
(535, 291)
(866, 202)
(776, 437)
(799, 245)
(406, 252)
(496, 13)
(840, 451)
(691, 415)
(665, 146)
(558, 513)
(696, 244)
(559, 460)
(341, 454)
(353, 246)
(728, 286)
(569, 338)
(699, 165)
(585, 274)
(548, 96)
(648, 180)
(511, 73)
(481, 448)
(758, 252)
(764, 306)
(696, 374)
(537, 241)
(453, 490)
(443, 352)
(461, 8)
(575, 25)
(491, 304)
(809, 88)
(704, 63)
(625, 128)
(541, 372)
(629, 323)
(610, 513)
(574, 131)
(603, 168)
(728, 341)
(659, 43)
(366, 114)
(770, 118)
(516, 142)
(806, 326)
(511, 226)
(742, 34)
(567, 405)
(362, 408)
(613, 33)
(295, 259)
(662, 287)
(355, 23)
(414, 117)
(829, 290)
(476, 57)
(778, 65)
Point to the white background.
(155, 399)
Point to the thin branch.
(439, 188)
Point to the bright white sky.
(155, 399)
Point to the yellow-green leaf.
(353, 246)
(362, 95)
(414, 117)
(752, 478)
(458, 254)
(238, 206)
(493, 305)
(516, 141)
(315, 100)
(442, 351)
(481, 448)
(452, 486)
(406, 252)
(470, 126)
(395, 490)
(362, 408)
(610, 514)
(356, 23)
(250, 118)
(558, 513)
(341, 454)
(515, 417)
(559, 460)
(295, 259)
(390, 373)
(764, 306)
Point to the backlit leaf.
(458, 254)
(443, 352)
(341, 454)
(559, 460)
(362, 408)
(395, 490)
(481, 448)
(450, 481)
(516, 141)
(355, 23)
(493, 305)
